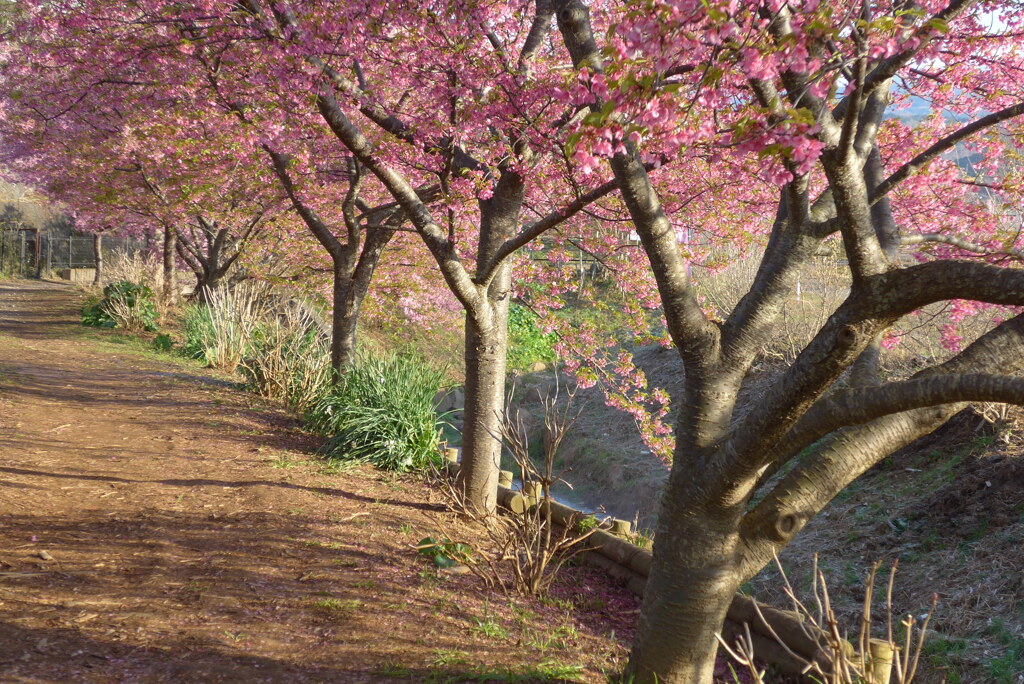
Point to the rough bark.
(350, 288)
(487, 349)
(169, 267)
(707, 543)
(484, 411)
(351, 275)
(696, 569)
(97, 249)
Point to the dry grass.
(875, 656)
(929, 506)
(289, 361)
(234, 314)
(135, 267)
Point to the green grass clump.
(197, 326)
(288, 363)
(382, 412)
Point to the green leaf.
(443, 561)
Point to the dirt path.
(158, 525)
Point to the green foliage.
(1007, 667)
(587, 523)
(947, 655)
(163, 343)
(444, 552)
(526, 343)
(382, 412)
(94, 316)
(199, 331)
(124, 304)
(290, 363)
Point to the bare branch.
(960, 243)
(943, 145)
(534, 230)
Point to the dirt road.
(158, 525)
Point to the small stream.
(563, 494)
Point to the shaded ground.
(157, 525)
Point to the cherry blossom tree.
(145, 72)
(452, 108)
(104, 133)
(805, 89)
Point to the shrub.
(526, 343)
(124, 304)
(163, 343)
(382, 412)
(221, 331)
(287, 360)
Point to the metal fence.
(29, 254)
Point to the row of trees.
(483, 127)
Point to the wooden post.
(533, 492)
(505, 478)
(512, 500)
(621, 528)
(49, 256)
(70, 265)
(21, 266)
(881, 653)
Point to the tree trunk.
(170, 272)
(351, 283)
(97, 247)
(344, 321)
(696, 570)
(484, 408)
(206, 283)
(487, 351)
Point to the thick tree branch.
(851, 451)
(903, 290)
(857, 406)
(871, 307)
(539, 30)
(540, 226)
(188, 256)
(790, 247)
(309, 216)
(695, 336)
(433, 235)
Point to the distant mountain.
(919, 109)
